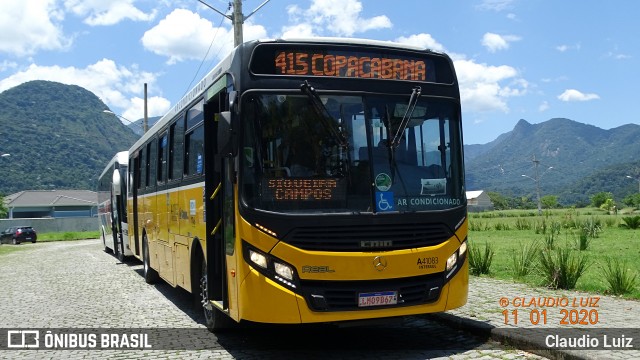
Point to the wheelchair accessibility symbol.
(384, 201)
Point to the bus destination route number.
(350, 66)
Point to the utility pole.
(237, 18)
(145, 122)
(536, 163)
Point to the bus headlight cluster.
(457, 255)
(270, 266)
(258, 259)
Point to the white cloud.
(424, 40)
(298, 31)
(184, 35)
(6, 65)
(496, 5)
(27, 26)
(481, 87)
(100, 12)
(564, 47)
(543, 107)
(157, 106)
(494, 42)
(115, 85)
(575, 95)
(336, 17)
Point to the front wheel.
(150, 275)
(15, 241)
(214, 319)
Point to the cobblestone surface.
(76, 285)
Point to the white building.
(479, 201)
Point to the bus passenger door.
(219, 211)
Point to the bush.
(562, 267)
(583, 240)
(522, 224)
(619, 277)
(522, 261)
(592, 227)
(479, 261)
(631, 222)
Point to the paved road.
(73, 285)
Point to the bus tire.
(214, 319)
(150, 275)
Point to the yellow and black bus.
(304, 181)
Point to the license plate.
(379, 298)
(28, 238)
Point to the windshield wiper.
(413, 101)
(325, 117)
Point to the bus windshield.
(294, 162)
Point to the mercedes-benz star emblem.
(380, 263)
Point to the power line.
(195, 76)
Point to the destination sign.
(350, 62)
(304, 189)
(353, 66)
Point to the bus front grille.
(368, 237)
(344, 295)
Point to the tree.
(632, 200)
(3, 208)
(500, 202)
(549, 201)
(600, 198)
(608, 205)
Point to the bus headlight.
(463, 249)
(283, 270)
(258, 259)
(451, 261)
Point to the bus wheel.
(150, 275)
(215, 320)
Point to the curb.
(507, 337)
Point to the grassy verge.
(509, 232)
(69, 235)
(5, 249)
(54, 236)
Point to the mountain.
(58, 137)
(566, 153)
(137, 128)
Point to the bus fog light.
(283, 270)
(451, 261)
(258, 259)
(463, 248)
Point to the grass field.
(46, 237)
(507, 232)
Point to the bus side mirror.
(116, 184)
(226, 135)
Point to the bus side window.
(194, 144)
(162, 158)
(176, 149)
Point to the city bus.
(308, 181)
(112, 203)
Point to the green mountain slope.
(573, 150)
(58, 137)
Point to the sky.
(515, 59)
